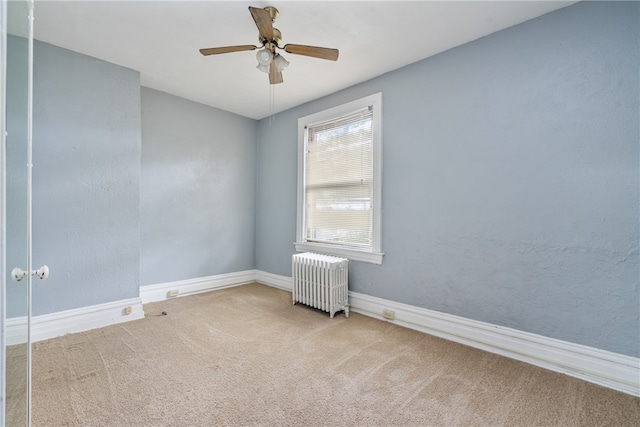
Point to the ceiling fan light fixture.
(263, 68)
(280, 62)
(264, 57)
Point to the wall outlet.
(173, 293)
(389, 314)
(127, 310)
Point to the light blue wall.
(16, 164)
(112, 212)
(197, 190)
(86, 139)
(511, 179)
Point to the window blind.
(339, 180)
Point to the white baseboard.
(274, 280)
(601, 367)
(612, 370)
(97, 316)
(76, 320)
(160, 292)
(16, 330)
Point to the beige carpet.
(16, 385)
(247, 356)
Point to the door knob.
(42, 272)
(17, 274)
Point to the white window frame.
(375, 254)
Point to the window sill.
(351, 254)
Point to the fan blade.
(226, 49)
(275, 76)
(316, 52)
(262, 17)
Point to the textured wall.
(86, 138)
(197, 190)
(511, 179)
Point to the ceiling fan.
(269, 61)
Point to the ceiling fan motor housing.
(277, 38)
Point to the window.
(339, 181)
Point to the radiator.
(321, 281)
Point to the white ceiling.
(161, 39)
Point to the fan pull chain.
(272, 102)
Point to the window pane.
(339, 181)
